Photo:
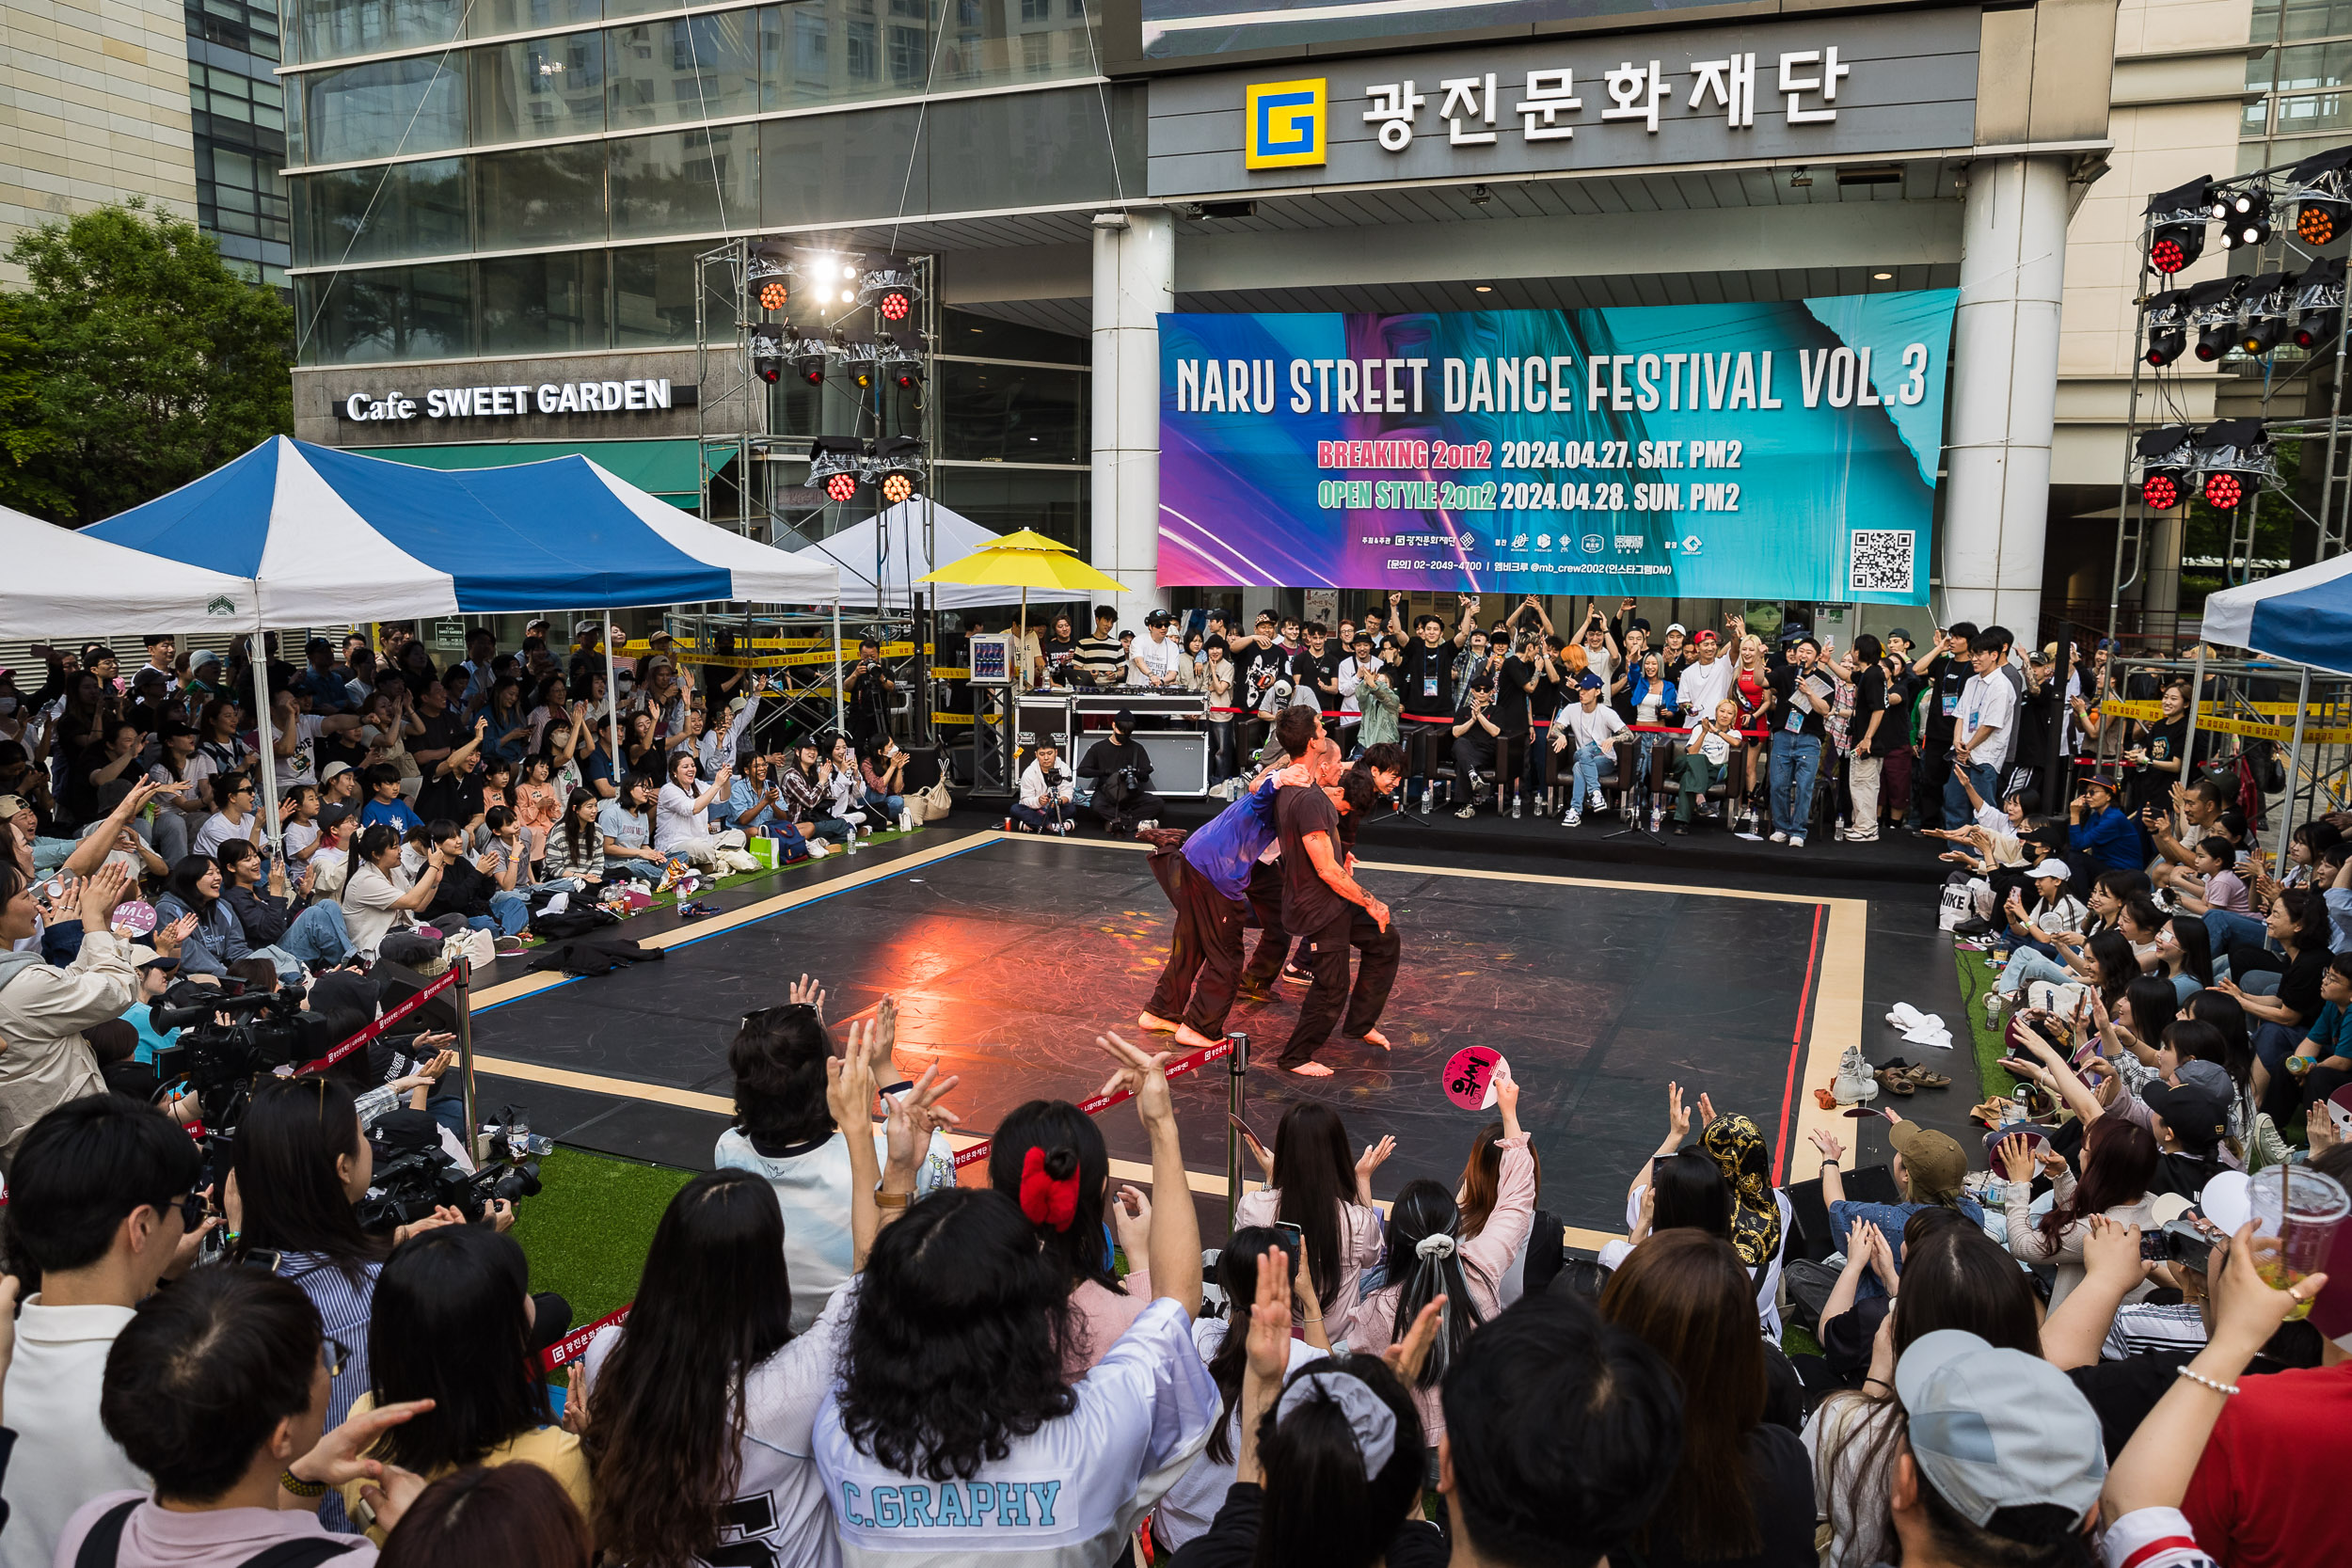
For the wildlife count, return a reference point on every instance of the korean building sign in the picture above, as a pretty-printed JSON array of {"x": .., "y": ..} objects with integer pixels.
[{"x": 1820, "y": 87}]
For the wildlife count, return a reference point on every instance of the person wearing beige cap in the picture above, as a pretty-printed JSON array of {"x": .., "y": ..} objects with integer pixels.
[
  {"x": 1931, "y": 1170},
  {"x": 45, "y": 1008}
]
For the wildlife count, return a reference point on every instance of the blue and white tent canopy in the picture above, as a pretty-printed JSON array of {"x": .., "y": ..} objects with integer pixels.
[
  {"x": 329, "y": 537},
  {"x": 2303, "y": 616}
]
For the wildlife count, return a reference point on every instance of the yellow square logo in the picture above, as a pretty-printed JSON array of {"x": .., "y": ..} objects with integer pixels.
[{"x": 1284, "y": 124}]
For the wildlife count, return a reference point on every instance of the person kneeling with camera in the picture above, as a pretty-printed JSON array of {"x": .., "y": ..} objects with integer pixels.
[
  {"x": 1121, "y": 772},
  {"x": 1045, "y": 794}
]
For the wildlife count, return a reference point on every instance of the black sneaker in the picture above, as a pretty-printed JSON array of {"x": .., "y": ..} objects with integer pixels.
[{"x": 1972, "y": 927}]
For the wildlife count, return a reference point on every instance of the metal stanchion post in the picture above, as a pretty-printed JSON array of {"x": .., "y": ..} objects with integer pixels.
[
  {"x": 1236, "y": 1096},
  {"x": 465, "y": 1054}
]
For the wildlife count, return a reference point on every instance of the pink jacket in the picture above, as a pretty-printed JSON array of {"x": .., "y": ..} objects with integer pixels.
[
  {"x": 537, "y": 805},
  {"x": 1485, "y": 1259},
  {"x": 1361, "y": 1241}
]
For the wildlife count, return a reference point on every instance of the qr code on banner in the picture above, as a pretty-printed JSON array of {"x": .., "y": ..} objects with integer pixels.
[{"x": 1882, "y": 561}]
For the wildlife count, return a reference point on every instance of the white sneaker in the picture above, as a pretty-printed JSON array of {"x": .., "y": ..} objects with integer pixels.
[
  {"x": 818, "y": 848},
  {"x": 1147, "y": 824},
  {"x": 1796, "y": 841},
  {"x": 1466, "y": 812},
  {"x": 1596, "y": 804},
  {"x": 1779, "y": 837},
  {"x": 1570, "y": 819}
]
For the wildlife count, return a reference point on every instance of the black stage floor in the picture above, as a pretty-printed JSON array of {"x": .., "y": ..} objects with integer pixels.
[{"x": 1010, "y": 956}]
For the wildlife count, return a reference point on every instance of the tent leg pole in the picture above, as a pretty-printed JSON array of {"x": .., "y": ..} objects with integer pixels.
[
  {"x": 2294, "y": 760},
  {"x": 611, "y": 705},
  {"x": 840, "y": 710},
  {"x": 266, "y": 763}
]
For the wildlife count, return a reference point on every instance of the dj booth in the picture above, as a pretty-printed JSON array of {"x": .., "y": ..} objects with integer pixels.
[{"x": 1173, "y": 727}]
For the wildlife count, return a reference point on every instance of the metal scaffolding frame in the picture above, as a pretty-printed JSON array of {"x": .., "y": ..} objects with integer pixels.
[
  {"x": 747, "y": 464},
  {"x": 2283, "y": 375}
]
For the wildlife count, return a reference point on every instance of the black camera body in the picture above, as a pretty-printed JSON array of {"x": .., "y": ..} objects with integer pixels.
[
  {"x": 415, "y": 1175},
  {"x": 264, "y": 1032}
]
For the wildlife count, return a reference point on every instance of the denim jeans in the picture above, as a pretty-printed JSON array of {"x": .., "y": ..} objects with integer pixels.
[
  {"x": 318, "y": 935},
  {"x": 889, "y": 805},
  {"x": 2226, "y": 928},
  {"x": 1590, "y": 763},
  {"x": 1957, "y": 811},
  {"x": 1796, "y": 762},
  {"x": 641, "y": 871},
  {"x": 2026, "y": 966}
]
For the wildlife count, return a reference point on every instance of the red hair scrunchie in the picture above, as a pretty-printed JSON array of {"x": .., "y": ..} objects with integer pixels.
[{"x": 1043, "y": 1198}]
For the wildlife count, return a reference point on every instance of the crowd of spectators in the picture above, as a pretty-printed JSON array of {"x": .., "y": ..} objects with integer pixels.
[
  {"x": 1782, "y": 736},
  {"x": 838, "y": 1353}
]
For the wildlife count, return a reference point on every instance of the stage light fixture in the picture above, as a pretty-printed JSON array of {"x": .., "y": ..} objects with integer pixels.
[
  {"x": 2245, "y": 215},
  {"x": 810, "y": 368},
  {"x": 2318, "y": 303},
  {"x": 2267, "y": 301},
  {"x": 835, "y": 464},
  {"x": 2166, "y": 344},
  {"x": 2163, "y": 458},
  {"x": 2233, "y": 457},
  {"x": 2323, "y": 213},
  {"x": 767, "y": 340},
  {"x": 2213, "y": 308},
  {"x": 2176, "y": 225},
  {"x": 891, "y": 288},
  {"x": 897, "y": 469}
]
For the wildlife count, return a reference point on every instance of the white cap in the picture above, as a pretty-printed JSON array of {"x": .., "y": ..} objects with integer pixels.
[
  {"x": 1677, "y": 625},
  {"x": 2052, "y": 867}
]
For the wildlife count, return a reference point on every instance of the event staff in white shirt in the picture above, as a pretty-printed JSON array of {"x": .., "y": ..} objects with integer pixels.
[
  {"x": 1158, "y": 660},
  {"x": 1705, "y": 680},
  {"x": 1585, "y": 732},
  {"x": 1985, "y": 730}
]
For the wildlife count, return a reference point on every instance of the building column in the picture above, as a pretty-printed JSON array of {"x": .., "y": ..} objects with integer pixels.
[
  {"x": 1135, "y": 279},
  {"x": 2005, "y": 354}
]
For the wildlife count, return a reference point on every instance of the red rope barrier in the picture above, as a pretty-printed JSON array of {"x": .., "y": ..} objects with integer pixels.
[
  {"x": 381, "y": 1024},
  {"x": 1095, "y": 1104}
]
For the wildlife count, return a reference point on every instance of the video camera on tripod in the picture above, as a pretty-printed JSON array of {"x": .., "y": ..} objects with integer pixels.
[{"x": 228, "y": 1035}]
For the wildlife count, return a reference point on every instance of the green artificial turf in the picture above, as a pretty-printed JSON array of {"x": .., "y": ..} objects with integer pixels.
[
  {"x": 586, "y": 1233},
  {"x": 1977, "y": 974}
]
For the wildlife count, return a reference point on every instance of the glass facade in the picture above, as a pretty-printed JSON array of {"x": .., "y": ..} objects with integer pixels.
[
  {"x": 238, "y": 117},
  {"x": 2304, "y": 107}
]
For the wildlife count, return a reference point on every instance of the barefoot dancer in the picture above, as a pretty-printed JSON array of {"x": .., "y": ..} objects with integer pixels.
[
  {"x": 1322, "y": 902},
  {"x": 1219, "y": 882}
]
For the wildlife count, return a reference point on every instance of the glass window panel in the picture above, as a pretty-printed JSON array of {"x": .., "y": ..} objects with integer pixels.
[
  {"x": 1002, "y": 500},
  {"x": 653, "y": 296},
  {"x": 1029, "y": 150},
  {"x": 695, "y": 68},
  {"x": 543, "y": 303},
  {"x": 539, "y": 88},
  {"x": 907, "y": 56},
  {"x": 859, "y": 55},
  {"x": 387, "y": 108},
  {"x": 331, "y": 29},
  {"x": 1016, "y": 40},
  {"x": 1010, "y": 413},
  {"x": 821, "y": 168},
  {"x": 421, "y": 212},
  {"x": 540, "y": 196},
  {"x": 985, "y": 336},
  {"x": 614, "y": 9},
  {"x": 2319, "y": 112},
  {"x": 494, "y": 18},
  {"x": 686, "y": 181},
  {"x": 2310, "y": 19},
  {"x": 397, "y": 313}
]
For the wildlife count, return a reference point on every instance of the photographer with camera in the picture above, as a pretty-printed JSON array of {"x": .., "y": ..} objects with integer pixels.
[
  {"x": 43, "y": 1008},
  {"x": 1120, "y": 769},
  {"x": 99, "y": 1199},
  {"x": 1046, "y": 793},
  {"x": 300, "y": 1164},
  {"x": 867, "y": 693}
]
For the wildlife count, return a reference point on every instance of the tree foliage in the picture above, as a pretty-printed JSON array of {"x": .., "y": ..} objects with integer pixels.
[{"x": 133, "y": 362}]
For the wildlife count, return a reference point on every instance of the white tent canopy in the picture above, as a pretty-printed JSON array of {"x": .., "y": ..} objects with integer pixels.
[
  {"x": 61, "y": 583},
  {"x": 900, "y": 529}
]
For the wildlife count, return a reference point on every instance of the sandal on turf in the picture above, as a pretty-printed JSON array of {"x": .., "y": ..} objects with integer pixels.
[{"x": 1895, "y": 1081}]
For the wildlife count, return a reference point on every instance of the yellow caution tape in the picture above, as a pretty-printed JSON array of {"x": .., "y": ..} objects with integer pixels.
[
  {"x": 2244, "y": 728},
  {"x": 951, "y": 719}
]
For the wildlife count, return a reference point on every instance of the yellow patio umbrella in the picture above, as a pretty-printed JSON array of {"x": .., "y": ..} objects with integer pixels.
[{"x": 1026, "y": 559}]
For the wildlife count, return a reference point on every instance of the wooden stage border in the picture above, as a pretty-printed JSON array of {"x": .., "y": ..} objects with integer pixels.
[{"x": 1836, "y": 1008}]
